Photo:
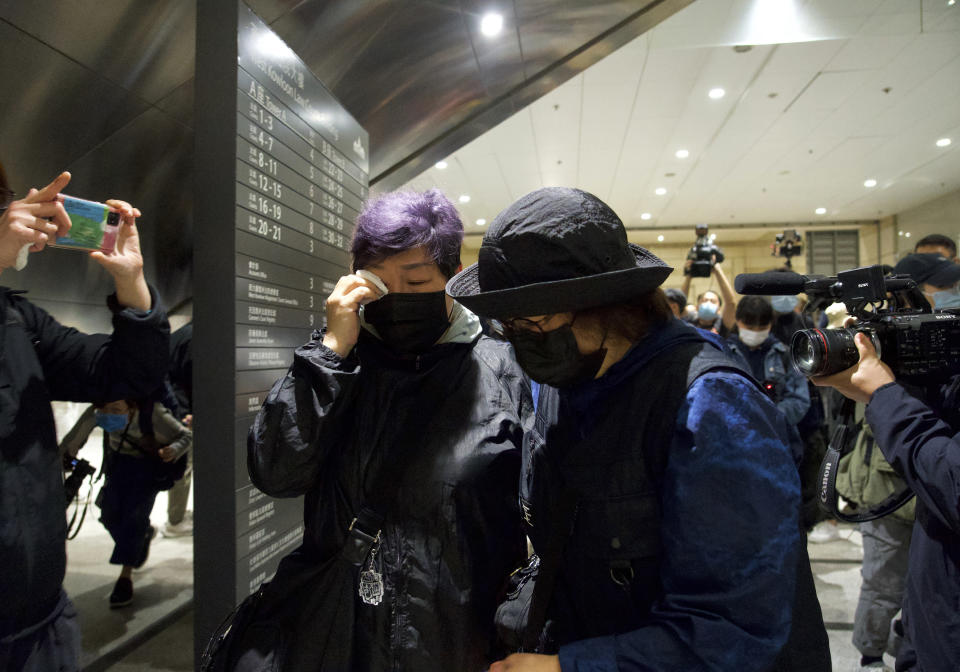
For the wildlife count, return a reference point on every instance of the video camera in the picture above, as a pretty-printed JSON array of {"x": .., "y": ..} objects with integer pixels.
[
  {"x": 787, "y": 244},
  {"x": 703, "y": 255},
  {"x": 914, "y": 341}
]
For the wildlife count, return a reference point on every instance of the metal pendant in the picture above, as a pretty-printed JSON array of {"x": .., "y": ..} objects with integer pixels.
[{"x": 371, "y": 586}]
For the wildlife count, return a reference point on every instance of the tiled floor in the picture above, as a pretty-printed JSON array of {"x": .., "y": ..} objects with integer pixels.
[{"x": 164, "y": 585}]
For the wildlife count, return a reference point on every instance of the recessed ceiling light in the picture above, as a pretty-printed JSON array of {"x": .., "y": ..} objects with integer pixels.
[
  {"x": 481, "y": 222},
  {"x": 819, "y": 211},
  {"x": 491, "y": 24},
  {"x": 869, "y": 184},
  {"x": 943, "y": 142},
  {"x": 645, "y": 216},
  {"x": 950, "y": 3},
  {"x": 441, "y": 165},
  {"x": 659, "y": 239},
  {"x": 464, "y": 198},
  {"x": 900, "y": 233},
  {"x": 659, "y": 191},
  {"x": 907, "y": 234},
  {"x": 682, "y": 154},
  {"x": 717, "y": 93}
]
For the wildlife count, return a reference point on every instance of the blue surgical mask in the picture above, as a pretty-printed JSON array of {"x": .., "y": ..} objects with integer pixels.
[
  {"x": 707, "y": 311},
  {"x": 784, "y": 304},
  {"x": 111, "y": 422},
  {"x": 946, "y": 298}
]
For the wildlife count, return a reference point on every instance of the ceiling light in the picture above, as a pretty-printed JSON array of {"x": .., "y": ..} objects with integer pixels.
[
  {"x": 464, "y": 198},
  {"x": 943, "y": 142},
  {"x": 441, "y": 165},
  {"x": 950, "y": 3},
  {"x": 659, "y": 239},
  {"x": 682, "y": 154},
  {"x": 900, "y": 233},
  {"x": 491, "y": 24},
  {"x": 717, "y": 93},
  {"x": 869, "y": 184},
  {"x": 660, "y": 191},
  {"x": 645, "y": 216},
  {"x": 481, "y": 222},
  {"x": 907, "y": 234},
  {"x": 819, "y": 211}
]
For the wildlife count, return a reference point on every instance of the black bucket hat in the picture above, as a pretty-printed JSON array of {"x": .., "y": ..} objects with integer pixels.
[{"x": 555, "y": 250}]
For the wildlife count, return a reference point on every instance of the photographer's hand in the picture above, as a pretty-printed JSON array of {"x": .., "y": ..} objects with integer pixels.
[
  {"x": 859, "y": 382},
  {"x": 729, "y": 311},
  {"x": 125, "y": 263},
  {"x": 33, "y": 221}
]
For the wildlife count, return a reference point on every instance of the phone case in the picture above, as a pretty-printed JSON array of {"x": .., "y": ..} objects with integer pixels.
[{"x": 94, "y": 225}]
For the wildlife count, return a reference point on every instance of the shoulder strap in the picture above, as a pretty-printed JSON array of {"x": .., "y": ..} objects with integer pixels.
[
  {"x": 365, "y": 527},
  {"x": 841, "y": 445}
]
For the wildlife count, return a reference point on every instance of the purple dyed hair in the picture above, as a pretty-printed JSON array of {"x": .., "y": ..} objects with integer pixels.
[{"x": 402, "y": 220}]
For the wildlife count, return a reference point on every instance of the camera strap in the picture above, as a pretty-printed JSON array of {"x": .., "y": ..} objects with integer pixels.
[{"x": 840, "y": 445}]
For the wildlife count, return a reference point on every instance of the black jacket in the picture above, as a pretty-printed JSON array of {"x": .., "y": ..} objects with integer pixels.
[
  {"x": 42, "y": 360},
  {"x": 457, "y": 414},
  {"x": 918, "y": 435}
]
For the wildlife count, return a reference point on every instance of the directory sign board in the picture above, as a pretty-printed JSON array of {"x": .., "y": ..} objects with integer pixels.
[{"x": 286, "y": 166}]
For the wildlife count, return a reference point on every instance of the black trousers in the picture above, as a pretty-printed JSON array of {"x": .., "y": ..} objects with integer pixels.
[{"x": 128, "y": 498}]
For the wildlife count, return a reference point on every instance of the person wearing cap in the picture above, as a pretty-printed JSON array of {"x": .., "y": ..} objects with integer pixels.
[
  {"x": 937, "y": 277},
  {"x": 937, "y": 243},
  {"x": 402, "y": 376},
  {"x": 917, "y": 428},
  {"x": 659, "y": 439}
]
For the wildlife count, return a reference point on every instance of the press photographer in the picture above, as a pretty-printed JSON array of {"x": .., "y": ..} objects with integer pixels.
[
  {"x": 912, "y": 389},
  {"x": 716, "y": 311},
  {"x": 42, "y": 360}
]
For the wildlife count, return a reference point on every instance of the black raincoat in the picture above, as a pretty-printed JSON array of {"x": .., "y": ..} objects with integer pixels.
[
  {"x": 456, "y": 415},
  {"x": 42, "y": 360}
]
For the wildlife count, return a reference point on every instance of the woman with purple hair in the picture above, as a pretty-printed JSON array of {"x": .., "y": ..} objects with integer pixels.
[{"x": 402, "y": 381}]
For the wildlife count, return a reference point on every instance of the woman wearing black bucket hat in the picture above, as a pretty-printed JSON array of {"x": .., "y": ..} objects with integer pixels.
[{"x": 651, "y": 449}]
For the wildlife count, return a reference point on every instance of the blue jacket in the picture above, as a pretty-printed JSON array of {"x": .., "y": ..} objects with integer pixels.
[
  {"x": 924, "y": 448},
  {"x": 715, "y": 593}
]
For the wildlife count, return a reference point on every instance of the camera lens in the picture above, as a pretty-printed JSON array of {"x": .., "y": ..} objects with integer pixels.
[{"x": 820, "y": 353}]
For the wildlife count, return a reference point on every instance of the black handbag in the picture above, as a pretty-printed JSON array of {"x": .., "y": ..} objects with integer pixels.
[
  {"x": 301, "y": 620},
  {"x": 521, "y": 617}
]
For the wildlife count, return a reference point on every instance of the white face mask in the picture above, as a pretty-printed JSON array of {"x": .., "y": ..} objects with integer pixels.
[{"x": 752, "y": 338}]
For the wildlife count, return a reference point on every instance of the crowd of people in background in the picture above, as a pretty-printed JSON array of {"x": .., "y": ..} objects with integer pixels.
[{"x": 661, "y": 458}]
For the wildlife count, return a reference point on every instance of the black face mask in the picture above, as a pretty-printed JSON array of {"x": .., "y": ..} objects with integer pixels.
[
  {"x": 409, "y": 323},
  {"x": 553, "y": 358}
]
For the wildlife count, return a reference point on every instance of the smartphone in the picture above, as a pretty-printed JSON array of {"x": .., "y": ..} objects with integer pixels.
[{"x": 94, "y": 226}]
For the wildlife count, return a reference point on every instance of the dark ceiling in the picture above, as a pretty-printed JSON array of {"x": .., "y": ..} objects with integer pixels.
[{"x": 104, "y": 88}]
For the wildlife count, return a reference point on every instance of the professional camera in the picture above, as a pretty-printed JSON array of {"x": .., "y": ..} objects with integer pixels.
[
  {"x": 914, "y": 341},
  {"x": 703, "y": 255},
  {"x": 787, "y": 244},
  {"x": 80, "y": 469}
]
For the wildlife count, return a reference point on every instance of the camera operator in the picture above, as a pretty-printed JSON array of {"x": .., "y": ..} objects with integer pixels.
[
  {"x": 937, "y": 243},
  {"x": 42, "y": 360},
  {"x": 918, "y": 431},
  {"x": 715, "y": 312}
]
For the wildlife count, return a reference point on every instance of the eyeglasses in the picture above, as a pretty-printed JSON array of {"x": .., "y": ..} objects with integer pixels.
[
  {"x": 513, "y": 326},
  {"x": 6, "y": 197}
]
